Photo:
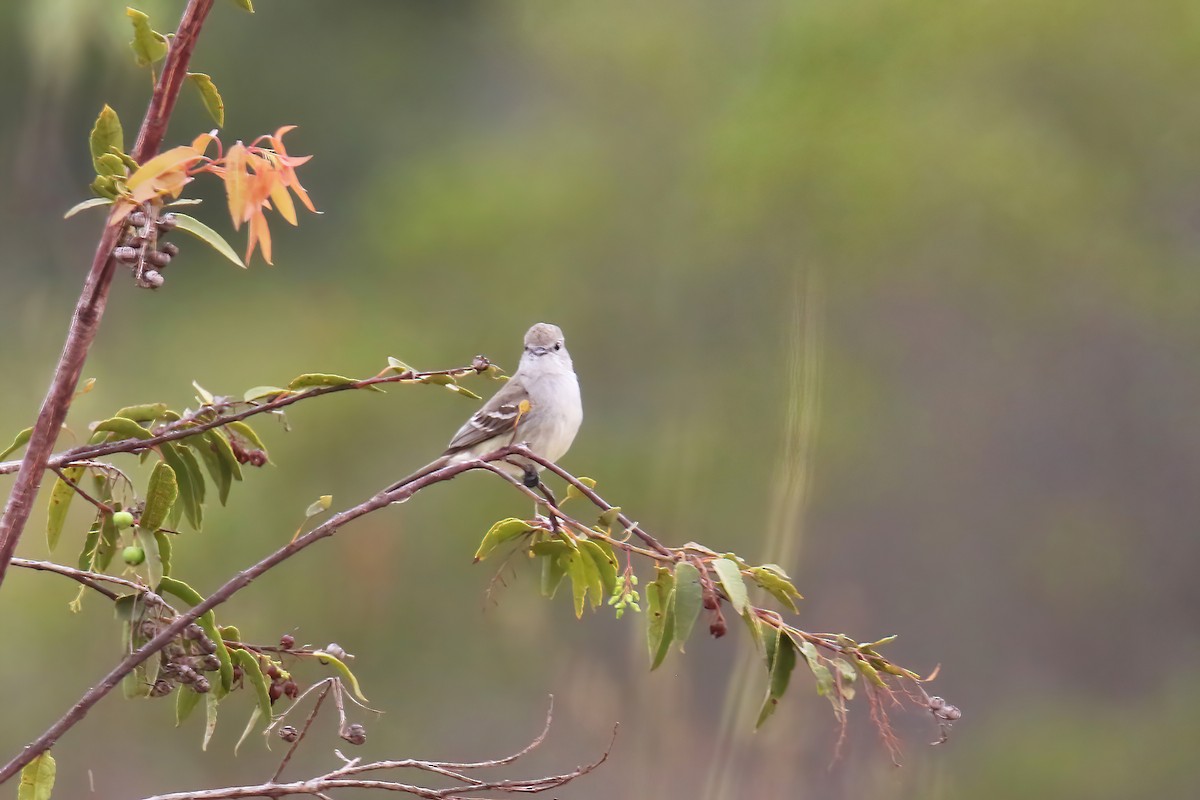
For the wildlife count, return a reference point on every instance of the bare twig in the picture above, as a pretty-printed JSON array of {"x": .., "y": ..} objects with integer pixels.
[
  {"x": 88, "y": 579},
  {"x": 104, "y": 508},
  {"x": 467, "y": 788},
  {"x": 94, "y": 297},
  {"x": 303, "y": 732}
]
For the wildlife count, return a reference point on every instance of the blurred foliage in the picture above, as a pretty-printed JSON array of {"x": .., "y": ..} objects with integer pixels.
[{"x": 1000, "y": 201}]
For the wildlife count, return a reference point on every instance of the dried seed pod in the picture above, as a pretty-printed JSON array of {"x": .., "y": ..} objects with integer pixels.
[
  {"x": 170, "y": 248},
  {"x": 137, "y": 219},
  {"x": 151, "y": 599},
  {"x": 210, "y": 663},
  {"x": 193, "y": 632},
  {"x": 202, "y": 686},
  {"x": 148, "y": 628},
  {"x": 128, "y": 255},
  {"x": 287, "y": 641},
  {"x": 167, "y": 222},
  {"x": 187, "y": 674},
  {"x": 717, "y": 628},
  {"x": 152, "y": 278},
  {"x": 334, "y": 649},
  {"x": 355, "y": 734},
  {"x": 158, "y": 258},
  {"x": 288, "y": 733},
  {"x": 161, "y": 688},
  {"x": 275, "y": 691},
  {"x": 206, "y": 645},
  {"x": 290, "y": 689}
]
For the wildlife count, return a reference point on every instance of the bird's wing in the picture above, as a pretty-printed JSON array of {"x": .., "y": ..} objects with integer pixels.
[{"x": 498, "y": 415}]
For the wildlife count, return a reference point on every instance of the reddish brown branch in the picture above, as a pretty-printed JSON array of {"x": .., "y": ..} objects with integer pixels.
[{"x": 94, "y": 297}]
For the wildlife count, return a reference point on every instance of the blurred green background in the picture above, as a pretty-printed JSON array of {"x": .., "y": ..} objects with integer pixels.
[{"x": 902, "y": 294}]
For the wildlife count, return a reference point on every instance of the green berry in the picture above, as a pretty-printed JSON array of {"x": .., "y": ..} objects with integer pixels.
[
  {"x": 133, "y": 555},
  {"x": 122, "y": 520}
]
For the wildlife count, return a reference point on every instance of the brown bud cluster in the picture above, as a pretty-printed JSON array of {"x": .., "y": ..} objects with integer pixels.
[
  {"x": 355, "y": 734},
  {"x": 142, "y": 248},
  {"x": 247, "y": 455}
]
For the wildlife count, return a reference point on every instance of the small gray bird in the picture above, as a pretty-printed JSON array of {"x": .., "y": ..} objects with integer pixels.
[{"x": 538, "y": 405}]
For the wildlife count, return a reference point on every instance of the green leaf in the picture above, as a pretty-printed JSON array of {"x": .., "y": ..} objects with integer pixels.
[
  {"x": 503, "y": 531},
  {"x": 689, "y": 598},
  {"x": 779, "y": 586},
  {"x": 574, "y": 492},
  {"x": 398, "y": 366},
  {"x": 148, "y": 45},
  {"x": 464, "y": 391},
  {"x": 825, "y": 684},
  {"x": 870, "y": 673},
  {"x": 161, "y": 494},
  {"x": 19, "y": 441},
  {"x": 255, "y": 715},
  {"x": 660, "y": 616},
  {"x": 846, "y": 675},
  {"x": 553, "y": 568},
  {"x": 246, "y": 432},
  {"x": 185, "y": 702},
  {"x": 107, "y": 548},
  {"x": 344, "y": 671},
  {"x": 164, "y": 552},
  {"x": 207, "y": 235},
  {"x": 318, "y": 506},
  {"x": 60, "y": 502},
  {"x": 252, "y": 669},
  {"x": 261, "y": 392},
  {"x": 106, "y": 134},
  {"x": 224, "y": 451},
  {"x": 191, "y": 482},
  {"x": 154, "y": 565},
  {"x": 217, "y": 468},
  {"x": 37, "y": 778},
  {"x": 245, "y": 5},
  {"x": 602, "y": 555},
  {"x": 210, "y": 713},
  {"x": 318, "y": 379},
  {"x": 780, "y": 664},
  {"x": 755, "y": 625},
  {"x": 209, "y": 96},
  {"x": 576, "y": 564},
  {"x": 87, "y": 556},
  {"x": 731, "y": 579},
  {"x": 146, "y": 412},
  {"x": 91, "y": 202},
  {"x": 608, "y": 519},
  {"x": 123, "y": 427},
  {"x": 110, "y": 164}
]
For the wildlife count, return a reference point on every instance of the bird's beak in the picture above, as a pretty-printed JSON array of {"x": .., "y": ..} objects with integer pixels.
[{"x": 540, "y": 351}]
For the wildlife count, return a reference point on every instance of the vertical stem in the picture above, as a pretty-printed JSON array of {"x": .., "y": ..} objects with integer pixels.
[{"x": 92, "y": 300}]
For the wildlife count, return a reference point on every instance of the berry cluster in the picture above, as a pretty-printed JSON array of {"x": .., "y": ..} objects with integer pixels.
[{"x": 142, "y": 248}]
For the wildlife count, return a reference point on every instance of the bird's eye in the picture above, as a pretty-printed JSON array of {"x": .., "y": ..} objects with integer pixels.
[{"x": 558, "y": 345}]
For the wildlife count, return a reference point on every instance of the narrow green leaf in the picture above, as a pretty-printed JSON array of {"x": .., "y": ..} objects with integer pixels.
[
  {"x": 185, "y": 702},
  {"x": 106, "y": 134},
  {"x": 312, "y": 379},
  {"x": 191, "y": 486},
  {"x": 19, "y": 441},
  {"x": 37, "y": 778},
  {"x": 210, "y": 724},
  {"x": 870, "y": 673},
  {"x": 218, "y": 470},
  {"x": 107, "y": 548},
  {"x": 154, "y": 565},
  {"x": 245, "y": 5},
  {"x": 60, "y": 503},
  {"x": 606, "y": 562},
  {"x": 689, "y": 598},
  {"x": 660, "y": 616},
  {"x": 207, "y": 235},
  {"x": 580, "y": 580},
  {"x": 146, "y": 412},
  {"x": 553, "y": 571},
  {"x": 209, "y": 95},
  {"x": 591, "y": 572},
  {"x": 464, "y": 391},
  {"x": 161, "y": 494},
  {"x": 224, "y": 451},
  {"x": 123, "y": 428},
  {"x": 825, "y": 685},
  {"x": 755, "y": 625},
  {"x": 344, "y": 671},
  {"x": 398, "y": 366},
  {"x": 148, "y": 45},
  {"x": 574, "y": 492},
  {"x": 207, "y": 621},
  {"x": 783, "y": 661},
  {"x": 252, "y": 669},
  {"x": 91, "y": 202},
  {"x": 164, "y": 552},
  {"x": 731, "y": 579},
  {"x": 256, "y": 714},
  {"x": 503, "y": 531},
  {"x": 779, "y": 587},
  {"x": 87, "y": 556}
]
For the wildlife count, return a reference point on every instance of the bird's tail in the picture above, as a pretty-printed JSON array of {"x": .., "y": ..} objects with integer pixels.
[{"x": 432, "y": 466}]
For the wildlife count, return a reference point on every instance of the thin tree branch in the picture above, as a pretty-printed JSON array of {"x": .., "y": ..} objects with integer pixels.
[
  {"x": 80, "y": 491},
  {"x": 303, "y": 732},
  {"x": 89, "y": 309},
  {"x": 191, "y": 427},
  {"x": 88, "y": 579}
]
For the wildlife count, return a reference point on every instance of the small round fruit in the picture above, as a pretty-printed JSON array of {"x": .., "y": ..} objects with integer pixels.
[
  {"x": 122, "y": 520},
  {"x": 133, "y": 555}
]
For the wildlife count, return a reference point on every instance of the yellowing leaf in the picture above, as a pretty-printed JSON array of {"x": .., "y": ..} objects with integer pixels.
[
  {"x": 37, "y": 779},
  {"x": 174, "y": 159},
  {"x": 209, "y": 96}
]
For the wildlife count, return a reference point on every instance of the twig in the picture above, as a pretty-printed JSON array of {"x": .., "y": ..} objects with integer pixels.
[
  {"x": 94, "y": 297},
  {"x": 182, "y": 429},
  {"x": 88, "y": 579},
  {"x": 104, "y": 507},
  {"x": 304, "y": 731}
]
